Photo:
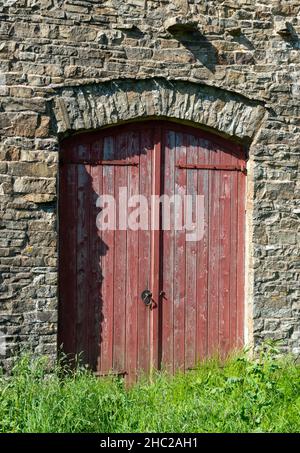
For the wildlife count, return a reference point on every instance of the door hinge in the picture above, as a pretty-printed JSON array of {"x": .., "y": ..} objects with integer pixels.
[
  {"x": 212, "y": 167},
  {"x": 94, "y": 163}
]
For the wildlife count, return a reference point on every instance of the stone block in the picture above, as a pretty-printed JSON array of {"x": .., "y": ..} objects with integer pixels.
[{"x": 35, "y": 185}]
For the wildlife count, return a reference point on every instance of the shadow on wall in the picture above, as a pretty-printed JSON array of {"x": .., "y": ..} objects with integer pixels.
[
  {"x": 290, "y": 36},
  {"x": 201, "y": 48}
]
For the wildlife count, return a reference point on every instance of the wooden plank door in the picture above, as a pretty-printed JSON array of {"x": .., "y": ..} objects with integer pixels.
[
  {"x": 196, "y": 286},
  {"x": 103, "y": 272},
  {"x": 202, "y": 281}
]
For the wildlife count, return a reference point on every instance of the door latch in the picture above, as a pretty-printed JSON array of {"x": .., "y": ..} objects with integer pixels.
[{"x": 146, "y": 297}]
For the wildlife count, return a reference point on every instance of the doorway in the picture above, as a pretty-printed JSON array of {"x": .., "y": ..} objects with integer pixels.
[{"x": 138, "y": 289}]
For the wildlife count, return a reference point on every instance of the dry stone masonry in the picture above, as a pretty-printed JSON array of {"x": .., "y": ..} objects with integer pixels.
[{"x": 231, "y": 66}]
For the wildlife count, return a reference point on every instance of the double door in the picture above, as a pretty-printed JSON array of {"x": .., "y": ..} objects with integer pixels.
[{"x": 151, "y": 247}]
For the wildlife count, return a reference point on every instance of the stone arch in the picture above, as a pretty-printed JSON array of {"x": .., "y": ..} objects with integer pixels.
[{"x": 90, "y": 107}]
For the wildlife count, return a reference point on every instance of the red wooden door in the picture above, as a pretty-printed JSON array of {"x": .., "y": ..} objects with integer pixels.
[
  {"x": 197, "y": 286},
  {"x": 203, "y": 280}
]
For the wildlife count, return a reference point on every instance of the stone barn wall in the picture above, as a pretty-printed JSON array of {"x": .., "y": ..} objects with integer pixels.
[{"x": 232, "y": 66}]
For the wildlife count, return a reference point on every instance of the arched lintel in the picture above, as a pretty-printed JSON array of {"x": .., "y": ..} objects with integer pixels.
[{"x": 96, "y": 106}]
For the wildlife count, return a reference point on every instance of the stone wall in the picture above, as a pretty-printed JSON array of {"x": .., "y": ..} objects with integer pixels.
[{"x": 60, "y": 60}]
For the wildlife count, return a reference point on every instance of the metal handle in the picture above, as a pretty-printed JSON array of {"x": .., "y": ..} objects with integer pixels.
[{"x": 146, "y": 297}]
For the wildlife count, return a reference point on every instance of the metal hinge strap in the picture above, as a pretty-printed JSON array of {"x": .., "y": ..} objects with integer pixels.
[
  {"x": 93, "y": 163},
  {"x": 211, "y": 167}
]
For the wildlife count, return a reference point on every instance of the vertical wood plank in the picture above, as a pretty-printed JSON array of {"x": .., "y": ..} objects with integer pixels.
[
  {"x": 225, "y": 258},
  {"x": 107, "y": 265},
  {"x": 179, "y": 259},
  {"x": 144, "y": 253},
  {"x": 233, "y": 263},
  {"x": 119, "y": 356},
  {"x": 168, "y": 247},
  {"x": 155, "y": 253},
  {"x": 84, "y": 189},
  {"x": 97, "y": 250},
  {"x": 132, "y": 266},
  {"x": 202, "y": 255},
  {"x": 67, "y": 254},
  {"x": 214, "y": 257},
  {"x": 240, "y": 258},
  {"x": 168, "y": 252},
  {"x": 191, "y": 262}
]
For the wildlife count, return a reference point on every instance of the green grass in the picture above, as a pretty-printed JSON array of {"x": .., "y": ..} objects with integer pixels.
[{"x": 240, "y": 395}]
